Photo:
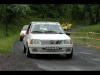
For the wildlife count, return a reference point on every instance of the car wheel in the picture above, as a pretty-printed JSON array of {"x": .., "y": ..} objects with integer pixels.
[
  {"x": 69, "y": 56},
  {"x": 21, "y": 39},
  {"x": 24, "y": 51},
  {"x": 28, "y": 54}
]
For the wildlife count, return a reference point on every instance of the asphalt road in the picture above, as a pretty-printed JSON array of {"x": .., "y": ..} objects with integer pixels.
[{"x": 84, "y": 59}]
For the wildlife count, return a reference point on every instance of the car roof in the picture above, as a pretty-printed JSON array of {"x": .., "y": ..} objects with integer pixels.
[{"x": 52, "y": 23}]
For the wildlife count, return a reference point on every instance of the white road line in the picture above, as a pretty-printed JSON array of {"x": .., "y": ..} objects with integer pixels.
[
  {"x": 84, "y": 37},
  {"x": 84, "y": 53},
  {"x": 96, "y": 59}
]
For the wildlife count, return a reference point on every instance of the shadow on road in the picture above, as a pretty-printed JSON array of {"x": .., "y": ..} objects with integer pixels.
[
  {"x": 49, "y": 57},
  {"x": 18, "y": 47}
]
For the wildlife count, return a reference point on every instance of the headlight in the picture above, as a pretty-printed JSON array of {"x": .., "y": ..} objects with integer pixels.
[
  {"x": 71, "y": 42},
  {"x": 67, "y": 42},
  {"x": 34, "y": 41}
]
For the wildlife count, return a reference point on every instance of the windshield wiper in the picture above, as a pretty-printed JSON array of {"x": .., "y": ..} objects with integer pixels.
[
  {"x": 37, "y": 32},
  {"x": 50, "y": 32},
  {"x": 60, "y": 33}
]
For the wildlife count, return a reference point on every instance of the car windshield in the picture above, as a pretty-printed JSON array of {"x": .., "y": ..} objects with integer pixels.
[{"x": 47, "y": 28}]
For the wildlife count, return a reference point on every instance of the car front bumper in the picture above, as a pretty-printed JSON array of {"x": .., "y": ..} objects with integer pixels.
[{"x": 50, "y": 49}]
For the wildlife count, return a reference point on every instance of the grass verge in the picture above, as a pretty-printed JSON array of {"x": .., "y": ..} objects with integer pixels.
[
  {"x": 86, "y": 33},
  {"x": 6, "y": 44}
]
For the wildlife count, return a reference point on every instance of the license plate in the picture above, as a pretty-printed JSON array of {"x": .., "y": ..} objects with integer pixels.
[{"x": 52, "y": 48}]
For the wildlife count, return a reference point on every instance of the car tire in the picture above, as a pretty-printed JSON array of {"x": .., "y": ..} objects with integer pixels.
[
  {"x": 28, "y": 54},
  {"x": 21, "y": 39},
  {"x": 24, "y": 51},
  {"x": 69, "y": 56}
]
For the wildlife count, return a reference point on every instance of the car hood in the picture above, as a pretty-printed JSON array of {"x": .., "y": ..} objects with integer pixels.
[
  {"x": 50, "y": 36},
  {"x": 23, "y": 32}
]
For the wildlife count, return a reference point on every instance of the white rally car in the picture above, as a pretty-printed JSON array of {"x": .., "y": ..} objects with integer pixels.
[{"x": 47, "y": 38}]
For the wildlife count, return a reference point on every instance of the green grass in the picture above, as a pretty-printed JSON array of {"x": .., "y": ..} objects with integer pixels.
[
  {"x": 85, "y": 33},
  {"x": 91, "y": 28},
  {"x": 6, "y": 44}
]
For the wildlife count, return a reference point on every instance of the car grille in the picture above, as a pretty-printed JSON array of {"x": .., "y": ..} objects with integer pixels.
[{"x": 45, "y": 42}]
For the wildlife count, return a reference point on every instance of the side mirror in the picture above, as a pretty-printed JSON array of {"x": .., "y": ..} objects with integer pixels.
[{"x": 67, "y": 33}]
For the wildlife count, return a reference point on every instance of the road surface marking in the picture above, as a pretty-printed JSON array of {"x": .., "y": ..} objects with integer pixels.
[
  {"x": 96, "y": 59},
  {"x": 84, "y": 53}
]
